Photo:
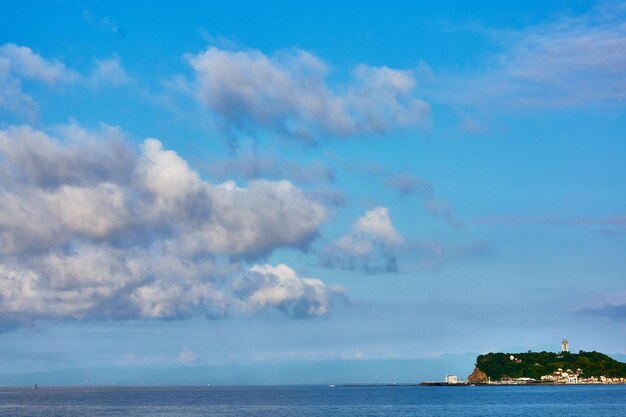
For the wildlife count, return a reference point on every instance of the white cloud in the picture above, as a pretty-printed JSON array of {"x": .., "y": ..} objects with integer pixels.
[
  {"x": 254, "y": 220},
  {"x": 288, "y": 93},
  {"x": 167, "y": 177},
  {"x": 85, "y": 157},
  {"x": 65, "y": 285},
  {"x": 369, "y": 247},
  {"x": 376, "y": 224},
  {"x": 170, "y": 299},
  {"x": 105, "y": 282},
  {"x": 24, "y": 63},
  {"x": 91, "y": 228},
  {"x": 52, "y": 193},
  {"x": 280, "y": 287},
  {"x": 53, "y": 196},
  {"x": 381, "y": 99},
  {"x": 225, "y": 218},
  {"x": 35, "y": 219}
]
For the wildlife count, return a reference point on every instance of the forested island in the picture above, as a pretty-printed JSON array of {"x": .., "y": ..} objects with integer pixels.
[{"x": 548, "y": 367}]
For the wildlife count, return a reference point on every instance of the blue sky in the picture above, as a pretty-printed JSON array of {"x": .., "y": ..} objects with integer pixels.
[{"x": 242, "y": 184}]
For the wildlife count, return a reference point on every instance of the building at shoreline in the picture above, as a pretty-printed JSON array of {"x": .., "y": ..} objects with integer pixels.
[{"x": 452, "y": 379}]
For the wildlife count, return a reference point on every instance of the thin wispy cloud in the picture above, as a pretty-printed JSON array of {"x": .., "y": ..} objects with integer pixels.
[
  {"x": 20, "y": 64},
  {"x": 433, "y": 256},
  {"x": 574, "y": 60},
  {"x": 103, "y": 23},
  {"x": 187, "y": 356},
  {"x": 25, "y": 63},
  {"x": 410, "y": 185},
  {"x": 110, "y": 72},
  {"x": 611, "y": 305},
  {"x": 249, "y": 164},
  {"x": 545, "y": 220}
]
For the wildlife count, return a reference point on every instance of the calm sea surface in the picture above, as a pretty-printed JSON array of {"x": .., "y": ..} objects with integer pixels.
[{"x": 561, "y": 401}]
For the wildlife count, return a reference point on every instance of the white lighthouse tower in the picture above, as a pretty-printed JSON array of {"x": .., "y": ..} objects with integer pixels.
[{"x": 564, "y": 345}]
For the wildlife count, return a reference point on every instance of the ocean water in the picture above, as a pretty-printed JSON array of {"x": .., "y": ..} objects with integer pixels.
[{"x": 305, "y": 401}]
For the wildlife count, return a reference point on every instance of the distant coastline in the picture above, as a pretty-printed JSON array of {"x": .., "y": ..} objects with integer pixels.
[
  {"x": 502, "y": 384},
  {"x": 542, "y": 368}
]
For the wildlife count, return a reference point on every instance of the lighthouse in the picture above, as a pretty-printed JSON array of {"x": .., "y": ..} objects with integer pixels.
[{"x": 564, "y": 345}]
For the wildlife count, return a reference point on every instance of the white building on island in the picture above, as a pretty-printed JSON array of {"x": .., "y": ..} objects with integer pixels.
[
  {"x": 452, "y": 379},
  {"x": 564, "y": 345}
]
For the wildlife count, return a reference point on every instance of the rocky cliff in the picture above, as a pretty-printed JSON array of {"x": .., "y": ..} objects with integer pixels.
[{"x": 477, "y": 376}]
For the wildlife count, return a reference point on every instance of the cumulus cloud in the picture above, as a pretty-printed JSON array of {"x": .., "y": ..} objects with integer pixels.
[
  {"x": 114, "y": 191},
  {"x": 225, "y": 218},
  {"x": 377, "y": 225},
  {"x": 280, "y": 287},
  {"x": 98, "y": 282},
  {"x": 288, "y": 93},
  {"x": 33, "y": 158},
  {"x": 252, "y": 221},
  {"x": 369, "y": 247},
  {"x": 92, "y": 228},
  {"x": 58, "y": 284}
]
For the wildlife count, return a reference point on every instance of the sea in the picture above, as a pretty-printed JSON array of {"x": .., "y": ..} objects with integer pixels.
[{"x": 315, "y": 401}]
